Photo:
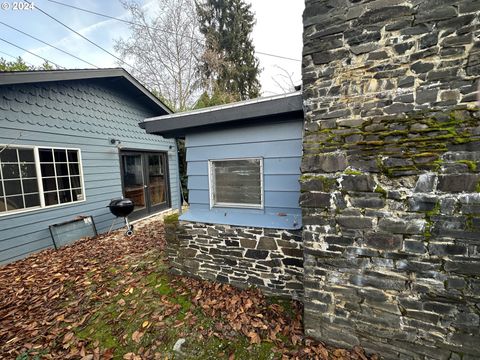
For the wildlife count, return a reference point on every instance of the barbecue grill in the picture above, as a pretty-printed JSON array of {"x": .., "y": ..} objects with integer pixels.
[{"x": 122, "y": 208}]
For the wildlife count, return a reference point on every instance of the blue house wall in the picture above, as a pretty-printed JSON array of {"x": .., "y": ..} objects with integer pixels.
[
  {"x": 280, "y": 146},
  {"x": 83, "y": 114}
]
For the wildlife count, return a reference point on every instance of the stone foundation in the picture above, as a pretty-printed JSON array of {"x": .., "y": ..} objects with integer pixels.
[{"x": 269, "y": 259}]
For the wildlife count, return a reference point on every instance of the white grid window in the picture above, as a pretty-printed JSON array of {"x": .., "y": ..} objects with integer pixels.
[
  {"x": 236, "y": 183},
  {"x": 33, "y": 177}
]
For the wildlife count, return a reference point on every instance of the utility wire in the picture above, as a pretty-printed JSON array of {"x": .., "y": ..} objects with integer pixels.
[
  {"x": 83, "y": 37},
  {"x": 28, "y": 51},
  {"x": 44, "y": 42},
  {"x": 155, "y": 28},
  {"x": 16, "y": 57}
]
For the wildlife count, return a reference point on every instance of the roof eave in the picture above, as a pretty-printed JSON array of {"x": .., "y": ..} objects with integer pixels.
[{"x": 177, "y": 125}]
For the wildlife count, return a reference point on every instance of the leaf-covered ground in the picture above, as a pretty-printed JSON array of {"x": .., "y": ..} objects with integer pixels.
[{"x": 112, "y": 297}]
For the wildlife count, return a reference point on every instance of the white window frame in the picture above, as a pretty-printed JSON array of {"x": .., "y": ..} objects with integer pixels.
[
  {"x": 40, "y": 178},
  {"x": 211, "y": 186}
]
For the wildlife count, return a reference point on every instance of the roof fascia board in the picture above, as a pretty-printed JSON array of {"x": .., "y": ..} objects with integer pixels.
[{"x": 223, "y": 116}]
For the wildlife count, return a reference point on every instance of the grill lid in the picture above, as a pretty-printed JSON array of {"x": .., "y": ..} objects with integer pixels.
[{"x": 121, "y": 207}]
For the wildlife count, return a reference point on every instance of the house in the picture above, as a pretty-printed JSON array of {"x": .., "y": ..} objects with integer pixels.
[
  {"x": 243, "y": 166},
  {"x": 69, "y": 143}
]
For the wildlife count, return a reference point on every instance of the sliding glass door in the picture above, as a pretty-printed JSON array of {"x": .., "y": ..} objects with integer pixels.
[{"x": 145, "y": 181}]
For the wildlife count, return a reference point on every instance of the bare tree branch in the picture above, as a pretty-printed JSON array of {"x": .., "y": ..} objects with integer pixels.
[{"x": 164, "y": 46}]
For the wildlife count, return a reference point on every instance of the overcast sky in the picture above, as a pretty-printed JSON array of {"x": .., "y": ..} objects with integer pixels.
[{"x": 278, "y": 31}]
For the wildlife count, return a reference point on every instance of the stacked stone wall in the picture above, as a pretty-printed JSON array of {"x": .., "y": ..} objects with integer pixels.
[
  {"x": 391, "y": 176},
  {"x": 269, "y": 259}
]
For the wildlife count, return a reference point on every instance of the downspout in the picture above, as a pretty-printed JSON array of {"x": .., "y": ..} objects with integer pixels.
[{"x": 179, "y": 180}]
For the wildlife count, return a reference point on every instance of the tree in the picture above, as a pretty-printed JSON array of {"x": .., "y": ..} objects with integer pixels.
[
  {"x": 284, "y": 80},
  {"x": 17, "y": 65},
  {"x": 164, "y": 49},
  {"x": 20, "y": 65},
  {"x": 228, "y": 65}
]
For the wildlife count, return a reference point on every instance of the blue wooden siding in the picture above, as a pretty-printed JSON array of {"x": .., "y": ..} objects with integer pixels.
[
  {"x": 74, "y": 114},
  {"x": 279, "y": 144}
]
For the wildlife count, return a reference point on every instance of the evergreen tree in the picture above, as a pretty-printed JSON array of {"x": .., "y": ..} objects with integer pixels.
[
  {"x": 20, "y": 65},
  {"x": 17, "y": 65},
  {"x": 228, "y": 65}
]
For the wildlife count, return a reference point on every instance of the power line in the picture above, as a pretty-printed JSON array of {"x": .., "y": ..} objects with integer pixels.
[
  {"x": 83, "y": 37},
  {"x": 44, "y": 42},
  {"x": 28, "y": 51},
  {"x": 16, "y": 57},
  {"x": 278, "y": 56},
  {"x": 155, "y": 28}
]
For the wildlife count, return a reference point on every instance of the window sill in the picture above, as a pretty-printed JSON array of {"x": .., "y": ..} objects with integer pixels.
[{"x": 287, "y": 222}]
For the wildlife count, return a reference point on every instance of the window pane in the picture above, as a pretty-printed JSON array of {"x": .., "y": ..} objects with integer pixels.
[
  {"x": 63, "y": 183},
  {"x": 30, "y": 186},
  {"x": 60, "y": 155},
  {"x": 26, "y": 155},
  {"x": 1, "y": 189},
  {"x": 74, "y": 169},
  {"x": 75, "y": 180},
  {"x": 9, "y": 155},
  {"x": 12, "y": 187},
  {"x": 46, "y": 155},
  {"x": 28, "y": 170},
  {"x": 3, "y": 205},
  {"x": 237, "y": 182},
  {"x": 32, "y": 200},
  {"x": 51, "y": 198},
  {"x": 10, "y": 171},
  {"x": 14, "y": 203},
  {"x": 49, "y": 184},
  {"x": 62, "y": 169},
  {"x": 77, "y": 194},
  {"x": 72, "y": 155},
  {"x": 65, "y": 196},
  {"x": 47, "y": 170}
]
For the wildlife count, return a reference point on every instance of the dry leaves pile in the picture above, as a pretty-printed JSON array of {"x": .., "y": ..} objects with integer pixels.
[
  {"x": 251, "y": 313},
  {"x": 47, "y": 294},
  {"x": 50, "y": 305}
]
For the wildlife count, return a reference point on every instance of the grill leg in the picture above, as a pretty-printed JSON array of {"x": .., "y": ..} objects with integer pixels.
[
  {"x": 111, "y": 227},
  {"x": 129, "y": 231}
]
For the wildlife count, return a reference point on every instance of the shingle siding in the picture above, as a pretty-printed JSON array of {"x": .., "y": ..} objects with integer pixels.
[{"x": 82, "y": 114}]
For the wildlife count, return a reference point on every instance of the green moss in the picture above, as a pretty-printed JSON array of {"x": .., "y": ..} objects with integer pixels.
[
  {"x": 434, "y": 211},
  {"x": 393, "y": 133},
  {"x": 469, "y": 222},
  {"x": 472, "y": 165},
  {"x": 477, "y": 189},
  {"x": 428, "y": 221},
  {"x": 170, "y": 219},
  {"x": 327, "y": 183},
  {"x": 352, "y": 172},
  {"x": 380, "y": 190}
]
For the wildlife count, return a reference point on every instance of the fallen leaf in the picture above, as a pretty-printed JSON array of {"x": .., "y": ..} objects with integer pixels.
[{"x": 137, "y": 336}]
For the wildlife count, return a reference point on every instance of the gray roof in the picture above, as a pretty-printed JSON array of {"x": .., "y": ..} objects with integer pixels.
[
  {"x": 259, "y": 110},
  {"x": 36, "y": 76}
]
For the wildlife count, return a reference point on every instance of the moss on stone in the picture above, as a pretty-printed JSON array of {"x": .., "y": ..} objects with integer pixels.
[
  {"x": 472, "y": 165},
  {"x": 328, "y": 183},
  {"x": 170, "y": 219},
  {"x": 352, "y": 172},
  {"x": 380, "y": 190}
]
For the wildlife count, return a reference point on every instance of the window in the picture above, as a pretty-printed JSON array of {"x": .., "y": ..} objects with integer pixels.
[
  {"x": 236, "y": 183},
  {"x": 38, "y": 177}
]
